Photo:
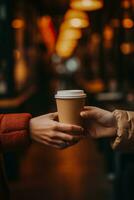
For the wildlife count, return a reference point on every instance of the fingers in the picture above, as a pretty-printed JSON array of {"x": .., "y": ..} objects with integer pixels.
[
  {"x": 92, "y": 112},
  {"x": 61, "y": 126},
  {"x": 86, "y": 112},
  {"x": 59, "y": 144},
  {"x": 68, "y": 128},
  {"x": 67, "y": 137},
  {"x": 89, "y": 114}
]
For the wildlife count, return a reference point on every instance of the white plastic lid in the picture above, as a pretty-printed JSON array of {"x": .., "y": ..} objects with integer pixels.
[{"x": 67, "y": 94}]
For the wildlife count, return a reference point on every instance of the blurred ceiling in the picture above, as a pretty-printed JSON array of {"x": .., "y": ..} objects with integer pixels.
[
  {"x": 58, "y": 7},
  {"x": 51, "y": 7}
]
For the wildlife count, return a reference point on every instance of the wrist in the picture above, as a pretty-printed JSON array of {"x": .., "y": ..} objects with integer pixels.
[
  {"x": 31, "y": 128},
  {"x": 115, "y": 126}
]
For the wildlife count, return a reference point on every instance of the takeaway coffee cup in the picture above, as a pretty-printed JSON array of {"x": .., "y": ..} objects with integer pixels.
[{"x": 69, "y": 105}]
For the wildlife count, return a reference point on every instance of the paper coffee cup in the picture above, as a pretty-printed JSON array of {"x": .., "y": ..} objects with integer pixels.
[{"x": 69, "y": 105}]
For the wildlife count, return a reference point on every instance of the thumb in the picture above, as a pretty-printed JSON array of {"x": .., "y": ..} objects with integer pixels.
[
  {"x": 88, "y": 114},
  {"x": 84, "y": 114}
]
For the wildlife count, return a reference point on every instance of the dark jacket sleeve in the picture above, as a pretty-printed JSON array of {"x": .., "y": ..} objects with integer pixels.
[
  {"x": 124, "y": 140},
  {"x": 14, "y": 131}
]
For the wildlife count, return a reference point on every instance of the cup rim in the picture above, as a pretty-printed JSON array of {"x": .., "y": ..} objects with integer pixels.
[{"x": 70, "y": 94}]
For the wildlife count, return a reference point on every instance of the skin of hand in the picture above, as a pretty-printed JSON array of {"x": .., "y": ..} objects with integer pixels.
[
  {"x": 47, "y": 130},
  {"x": 98, "y": 122}
]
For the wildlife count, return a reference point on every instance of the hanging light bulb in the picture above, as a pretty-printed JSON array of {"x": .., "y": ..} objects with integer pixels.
[
  {"x": 87, "y": 5},
  {"x": 76, "y": 19},
  {"x": 71, "y": 13},
  {"x": 127, "y": 21},
  {"x": 18, "y": 23},
  {"x": 127, "y": 48},
  {"x": 78, "y": 23},
  {"x": 75, "y": 23},
  {"x": 108, "y": 33}
]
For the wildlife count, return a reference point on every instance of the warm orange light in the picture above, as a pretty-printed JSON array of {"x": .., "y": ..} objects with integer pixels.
[
  {"x": 78, "y": 23},
  {"x": 70, "y": 34},
  {"x": 65, "y": 26},
  {"x": 127, "y": 48},
  {"x": 47, "y": 31},
  {"x": 17, "y": 54},
  {"x": 20, "y": 73},
  {"x": 18, "y": 23},
  {"x": 108, "y": 33},
  {"x": 65, "y": 48},
  {"x": 64, "y": 54},
  {"x": 74, "y": 23},
  {"x": 94, "y": 86},
  {"x": 66, "y": 44},
  {"x": 127, "y": 23},
  {"x": 71, "y": 13},
  {"x": 87, "y": 5},
  {"x": 126, "y": 4},
  {"x": 44, "y": 21}
]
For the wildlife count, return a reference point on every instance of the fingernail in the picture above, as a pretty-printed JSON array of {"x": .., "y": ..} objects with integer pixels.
[{"x": 83, "y": 116}]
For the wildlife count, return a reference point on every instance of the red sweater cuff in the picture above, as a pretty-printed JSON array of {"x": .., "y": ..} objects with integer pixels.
[{"x": 14, "y": 131}]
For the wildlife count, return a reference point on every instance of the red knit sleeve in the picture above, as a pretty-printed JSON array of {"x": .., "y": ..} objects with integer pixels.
[{"x": 14, "y": 131}]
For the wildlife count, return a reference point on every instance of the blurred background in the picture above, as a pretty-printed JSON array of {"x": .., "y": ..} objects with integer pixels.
[{"x": 49, "y": 45}]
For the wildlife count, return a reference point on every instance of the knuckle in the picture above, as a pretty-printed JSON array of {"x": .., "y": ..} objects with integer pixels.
[
  {"x": 71, "y": 138},
  {"x": 49, "y": 140},
  {"x": 71, "y": 128},
  {"x": 55, "y": 126},
  {"x": 52, "y": 135}
]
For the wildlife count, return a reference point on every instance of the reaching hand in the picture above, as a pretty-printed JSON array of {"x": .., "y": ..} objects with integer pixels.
[
  {"x": 46, "y": 130},
  {"x": 98, "y": 122}
]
